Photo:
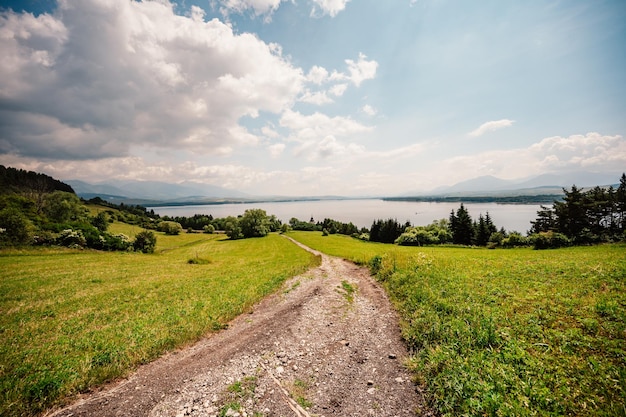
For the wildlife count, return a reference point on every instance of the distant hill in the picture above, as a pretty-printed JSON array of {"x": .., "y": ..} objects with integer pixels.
[
  {"x": 13, "y": 180},
  {"x": 145, "y": 192},
  {"x": 537, "y": 185}
]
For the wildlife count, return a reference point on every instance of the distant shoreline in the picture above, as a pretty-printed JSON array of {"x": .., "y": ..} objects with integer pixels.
[{"x": 518, "y": 199}]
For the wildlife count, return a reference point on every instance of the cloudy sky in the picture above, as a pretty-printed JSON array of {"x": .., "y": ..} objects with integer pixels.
[{"x": 312, "y": 97}]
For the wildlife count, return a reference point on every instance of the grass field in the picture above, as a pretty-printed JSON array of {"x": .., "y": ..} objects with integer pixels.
[
  {"x": 507, "y": 332},
  {"x": 72, "y": 319}
]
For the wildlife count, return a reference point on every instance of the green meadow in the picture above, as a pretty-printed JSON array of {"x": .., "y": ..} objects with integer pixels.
[
  {"x": 508, "y": 332},
  {"x": 73, "y": 319}
]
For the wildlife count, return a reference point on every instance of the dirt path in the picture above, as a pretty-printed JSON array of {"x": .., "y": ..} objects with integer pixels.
[{"x": 314, "y": 349}]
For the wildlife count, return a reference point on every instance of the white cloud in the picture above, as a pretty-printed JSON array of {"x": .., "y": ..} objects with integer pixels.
[
  {"x": 258, "y": 7},
  {"x": 328, "y": 7},
  {"x": 338, "y": 90},
  {"x": 491, "y": 126},
  {"x": 361, "y": 70},
  {"x": 369, "y": 110},
  {"x": 319, "y": 98},
  {"x": 319, "y": 125},
  {"x": 591, "y": 152},
  {"x": 276, "y": 150},
  {"x": 317, "y": 75},
  {"x": 146, "y": 77}
]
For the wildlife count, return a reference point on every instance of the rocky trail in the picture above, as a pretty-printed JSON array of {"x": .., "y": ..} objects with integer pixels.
[{"x": 327, "y": 344}]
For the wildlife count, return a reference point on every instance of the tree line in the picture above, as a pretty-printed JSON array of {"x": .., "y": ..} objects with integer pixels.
[
  {"x": 37, "y": 209},
  {"x": 585, "y": 217}
]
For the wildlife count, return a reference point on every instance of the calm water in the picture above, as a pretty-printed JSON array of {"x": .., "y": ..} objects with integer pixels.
[{"x": 513, "y": 217}]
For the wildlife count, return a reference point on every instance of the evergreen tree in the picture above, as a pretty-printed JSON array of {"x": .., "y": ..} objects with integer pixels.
[
  {"x": 482, "y": 232},
  {"x": 461, "y": 227},
  {"x": 572, "y": 214}
]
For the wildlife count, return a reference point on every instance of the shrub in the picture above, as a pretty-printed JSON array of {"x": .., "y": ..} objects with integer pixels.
[
  {"x": 15, "y": 229},
  {"x": 170, "y": 228},
  {"x": 514, "y": 240},
  {"x": 417, "y": 236},
  {"x": 71, "y": 238},
  {"x": 209, "y": 229},
  {"x": 145, "y": 242},
  {"x": 549, "y": 240}
]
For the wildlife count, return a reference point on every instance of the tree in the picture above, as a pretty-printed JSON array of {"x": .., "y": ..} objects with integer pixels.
[
  {"x": 482, "y": 232},
  {"x": 254, "y": 223},
  {"x": 571, "y": 213},
  {"x": 145, "y": 242},
  {"x": 545, "y": 222},
  {"x": 387, "y": 231},
  {"x": 61, "y": 207},
  {"x": 15, "y": 228},
  {"x": 100, "y": 221},
  {"x": 461, "y": 226},
  {"x": 232, "y": 228}
]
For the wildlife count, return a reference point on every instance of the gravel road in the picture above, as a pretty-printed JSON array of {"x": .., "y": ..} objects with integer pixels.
[{"x": 327, "y": 344}]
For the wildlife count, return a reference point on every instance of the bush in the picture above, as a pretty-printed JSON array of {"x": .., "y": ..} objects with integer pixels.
[
  {"x": 209, "y": 229},
  {"x": 71, "y": 238},
  {"x": 170, "y": 228},
  {"x": 549, "y": 240},
  {"x": 417, "y": 236},
  {"x": 15, "y": 229},
  {"x": 145, "y": 242},
  {"x": 514, "y": 240}
]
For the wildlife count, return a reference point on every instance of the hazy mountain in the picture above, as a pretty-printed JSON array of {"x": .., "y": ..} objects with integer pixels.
[
  {"x": 153, "y": 190},
  {"x": 541, "y": 184}
]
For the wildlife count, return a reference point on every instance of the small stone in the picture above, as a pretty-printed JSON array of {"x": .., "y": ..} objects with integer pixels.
[
  {"x": 280, "y": 370},
  {"x": 399, "y": 380},
  {"x": 345, "y": 343},
  {"x": 392, "y": 356},
  {"x": 370, "y": 382},
  {"x": 371, "y": 390}
]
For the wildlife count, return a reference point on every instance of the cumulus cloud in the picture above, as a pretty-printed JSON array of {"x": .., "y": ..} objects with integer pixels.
[
  {"x": 319, "y": 98},
  {"x": 146, "y": 77},
  {"x": 258, "y": 7},
  {"x": 328, "y": 7},
  {"x": 318, "y": 125},
  {"x": 591, "y": 152},
  {"x": 491, "y": 126},
  {"x": 357, "y": 72},
  {"x": 361, "y": 70}
]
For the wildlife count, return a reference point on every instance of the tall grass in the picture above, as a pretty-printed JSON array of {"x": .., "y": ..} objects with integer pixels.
[
  {"x": 507, "y": 332},
  {"x": 72, "y": 319}
]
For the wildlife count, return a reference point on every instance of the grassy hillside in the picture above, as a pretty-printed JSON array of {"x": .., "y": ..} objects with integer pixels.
[
  {"x": 71, "y": 319},
  {"x": 507, "y": 332}
]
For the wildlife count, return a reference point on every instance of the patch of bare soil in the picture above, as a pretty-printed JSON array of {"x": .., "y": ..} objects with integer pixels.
[{"x": 328, "y": 344}]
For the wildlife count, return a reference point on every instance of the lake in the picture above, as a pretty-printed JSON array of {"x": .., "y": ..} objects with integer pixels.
[{"x": 513, "y": 217}]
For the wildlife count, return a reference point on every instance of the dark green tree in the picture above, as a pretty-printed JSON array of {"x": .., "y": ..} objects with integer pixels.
[
  {"x": 461, "y": 226},
  {"x": 571, "y": 214}
]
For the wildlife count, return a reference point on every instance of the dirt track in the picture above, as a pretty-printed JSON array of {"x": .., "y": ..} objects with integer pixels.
[{"x": 312, "y": 349}]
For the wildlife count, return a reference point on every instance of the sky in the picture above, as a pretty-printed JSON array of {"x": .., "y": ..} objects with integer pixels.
[{"x": 312, "y": 97}]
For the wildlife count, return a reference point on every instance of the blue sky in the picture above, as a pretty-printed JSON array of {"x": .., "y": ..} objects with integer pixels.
[{"x": 313, "y": 97}]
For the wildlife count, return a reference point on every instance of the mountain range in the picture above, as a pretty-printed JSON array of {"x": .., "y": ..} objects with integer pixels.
[
  {"x": 152, "y": 192},
  {"x": 540, "y": 184}
]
